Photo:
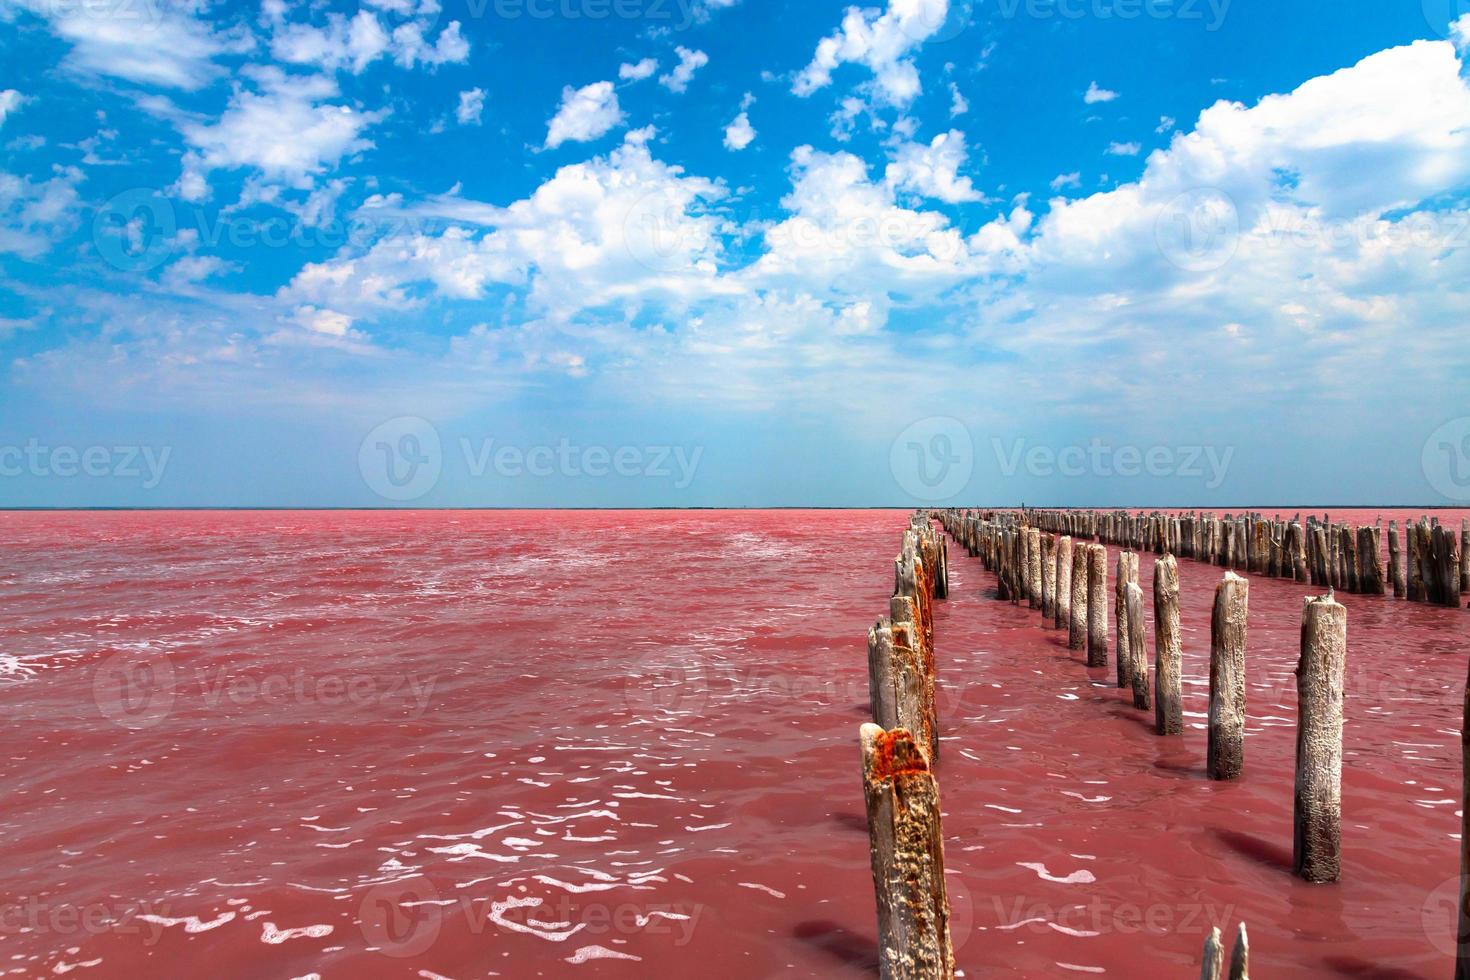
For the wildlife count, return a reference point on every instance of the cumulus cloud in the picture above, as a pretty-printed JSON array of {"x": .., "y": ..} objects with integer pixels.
[
  {"x": 36, "y": 214},
  {"x": 740, "y": 134},
  {"x": 619, "y": 228},
  {"x": 471, "y": 105},
  {"x": 689, "y": 62},
  {"x": 933, "y": 170},
  {"x": 156, "y": 44},
  {"x": 638, "y": 71},
  {"x": 10, "y": 100},
  {"x": 354, "y": 43},
  {"x": 1124, "y": 149},
  {"x": 1096, "y": 94},
  {"x": 585, "y": 114},
  {"x": 883, "y": 42},
  {"x": 285, "y": 127},
  {"x": 959, "y": 105}
]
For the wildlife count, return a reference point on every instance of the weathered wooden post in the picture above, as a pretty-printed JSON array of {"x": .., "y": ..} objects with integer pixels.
[
  {"x": 1213, "y": 965},
  {"x": 1396, "y": 562},
  {"x": 1077, "y": 632},
  {"x": 1447, "y": 555},
  {"x": 1033, "y": 567},
  {"x": 1127, "y": 572},
  {"x": 1168, "y": 695},
  {"x": 1240, "y": 958},
  {"x": 1137, "y": 651},
  {"x": 907, "y": 850},
  {"x": 1097, "y": 606},
  {"x": 1465, "y": 554},
  {"x": 1462, "y": 948},
  {"x": 1048, "y": 578},
  {"x": 1064, "y": 584},
  {"x": 1317, "y": 812},
  {"x": 1370, "y": 562},
  {"x": 896, "y": 680},
  {"x": 1226, "y": 753}
]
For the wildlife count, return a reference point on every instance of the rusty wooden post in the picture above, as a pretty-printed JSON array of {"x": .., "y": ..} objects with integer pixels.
[
  {"x": 1064, "y": 584},
  {"x": 1226, "y": 752},
  {"x": 1462, "y": 949},
  {"x": 1317, "y": 810},
  {"x": 1168, "y": 697},
  {"x": 906, "y": 846},
  {"x": 1097, "y": 606},
  {"x": 1077, "y": 632}
]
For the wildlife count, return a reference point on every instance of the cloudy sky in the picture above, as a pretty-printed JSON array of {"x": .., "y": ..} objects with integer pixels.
[{"x": 734, "y": 252}]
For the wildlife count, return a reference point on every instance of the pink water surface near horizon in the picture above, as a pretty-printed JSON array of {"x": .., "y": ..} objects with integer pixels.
[{"x": 466, "y": 744}]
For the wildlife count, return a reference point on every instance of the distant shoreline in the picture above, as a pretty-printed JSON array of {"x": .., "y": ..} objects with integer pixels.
[{"x": 1309, "y": 508}]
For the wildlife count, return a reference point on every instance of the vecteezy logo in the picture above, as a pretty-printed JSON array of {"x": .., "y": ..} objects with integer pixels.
[
  {"x": 402, "y": 918},
  {"x": 134, "y": 232},
  {"x": 1199, "y": 230},
  {"x": 933, "y": 458},
  {"x": 401, "y": 459},
  {"x": 1440, "y": 14},
  {"x": 134, "y": 690},
  {"x": 656, "y": 684},
  {"x": 934, "y": 21},
  {"x": 660, "y": 233},
  {"x": 1446, "y": 459},
  {"x": 1440, "y": 916}
]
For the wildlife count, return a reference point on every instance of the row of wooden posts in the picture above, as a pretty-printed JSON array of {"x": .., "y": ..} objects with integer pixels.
[
  {"x": 1429, "y": 562},
  {"x": 900, "y": 748},
  {"x": 1068, "y": 581}
]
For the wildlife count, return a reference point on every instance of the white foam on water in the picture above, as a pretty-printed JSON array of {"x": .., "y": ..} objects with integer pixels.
[
  {"x": 1083, "y": 877},
  {"x": 272, "y": 936},
  {"x": 587, "y": 953}
]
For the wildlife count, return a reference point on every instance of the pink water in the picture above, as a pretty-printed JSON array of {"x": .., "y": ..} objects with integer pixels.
[{"x": 537, "y": 744}]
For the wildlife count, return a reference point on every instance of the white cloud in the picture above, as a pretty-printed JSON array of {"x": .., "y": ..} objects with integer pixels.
[
  {"x": 1166, "y": 124},
  {"x": 689, "y": 63},
  {"x": 33, "y": 216},
  {"x": 639, "y": 71},
  {"x": 328, "y": 322},
  {"x": 881, "y": 42},
  {"x": 933, "y": 170},
  {"x": 585, "y": 114},
  {"x": 156, "y": 44},
  {"x": 959, "y": 105},
  {"x": 1096, "y": 94},
  {"x": 1073, "y": 179},
  {"x": 739, "y": 134},
  {"x": 624, "y": 228},
  {"x": 1460, "y": 32},
  {"x": 471, "y": 104},
  {"x": 410, "y": 47},
  {"x": 285, "y": 129},
  {"x": 10, "y": 100},
  {"x": 341, "y": 43},
  {"x": 1124, "y": 149}
]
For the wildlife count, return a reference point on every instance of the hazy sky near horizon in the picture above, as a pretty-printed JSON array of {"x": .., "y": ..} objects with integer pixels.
[{"x": 734, "y": 252}]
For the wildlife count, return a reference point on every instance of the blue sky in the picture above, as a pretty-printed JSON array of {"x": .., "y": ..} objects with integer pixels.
[{"x": 733, "y": 253}]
